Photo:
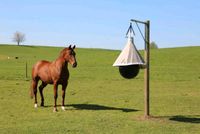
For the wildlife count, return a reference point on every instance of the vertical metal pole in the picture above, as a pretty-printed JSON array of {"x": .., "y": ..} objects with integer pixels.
[
  {"x": 147, "y": 67},
  {"x": 146, "y": 71}
]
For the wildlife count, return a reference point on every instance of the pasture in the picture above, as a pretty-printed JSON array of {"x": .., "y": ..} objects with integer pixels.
[{"x": 98, "y": 99}]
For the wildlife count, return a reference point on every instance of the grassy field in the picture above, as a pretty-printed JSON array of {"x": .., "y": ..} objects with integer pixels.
[{"x": 99, "y": 100}]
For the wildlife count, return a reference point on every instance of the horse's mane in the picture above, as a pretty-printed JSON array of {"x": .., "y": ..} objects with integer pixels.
[{"x": 62, "y": 52}]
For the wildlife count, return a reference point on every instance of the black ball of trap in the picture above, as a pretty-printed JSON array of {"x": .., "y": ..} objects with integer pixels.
[{"x": 130, "y": 71}]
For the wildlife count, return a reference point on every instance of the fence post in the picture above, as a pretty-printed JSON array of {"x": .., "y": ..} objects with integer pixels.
[{"x": 26, "y": 70}]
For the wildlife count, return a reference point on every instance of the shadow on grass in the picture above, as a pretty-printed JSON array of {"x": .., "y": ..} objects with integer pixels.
[
  {"x": 185, "y": 119},
  {"x": 99, "y": 107}
]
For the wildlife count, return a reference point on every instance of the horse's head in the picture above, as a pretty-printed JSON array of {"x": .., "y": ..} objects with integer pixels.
[{"x": 69, "y": 55}]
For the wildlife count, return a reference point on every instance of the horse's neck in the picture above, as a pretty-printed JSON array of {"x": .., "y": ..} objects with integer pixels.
[{"x": 61, "y": 63}]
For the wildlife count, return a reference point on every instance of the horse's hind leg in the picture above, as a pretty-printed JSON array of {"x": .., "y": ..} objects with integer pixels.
[{"x": 41, "y": 87}]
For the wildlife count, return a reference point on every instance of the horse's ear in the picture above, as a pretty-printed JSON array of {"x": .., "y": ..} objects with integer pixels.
[
  {"x": 74, "y": 47},
  {"x": 70, "y": 46}
]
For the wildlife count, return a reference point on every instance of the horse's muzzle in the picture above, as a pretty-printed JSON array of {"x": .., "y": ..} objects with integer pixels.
[{"x": 74, "y": 65}]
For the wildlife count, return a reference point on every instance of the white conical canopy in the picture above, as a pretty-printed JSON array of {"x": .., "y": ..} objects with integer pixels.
[{"x": 129, "y": 55}]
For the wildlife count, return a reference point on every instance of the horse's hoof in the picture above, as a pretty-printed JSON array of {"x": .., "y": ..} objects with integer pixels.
[
  {"x": 63, "y": 108},
  {"x": 42, "y": 105},
  {"x": 55, "y": 110},
  {"x": 35, "y": 105}
]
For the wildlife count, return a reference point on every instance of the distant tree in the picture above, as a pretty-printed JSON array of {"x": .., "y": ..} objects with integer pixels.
[
  {"x": 19, "y": 37},
  {"x": 153, "y": 45}
]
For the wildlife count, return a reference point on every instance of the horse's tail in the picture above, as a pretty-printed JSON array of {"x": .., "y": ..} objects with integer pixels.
[
  {"x": 33, "y": 84},
  {"x": 31, "y": 89}
]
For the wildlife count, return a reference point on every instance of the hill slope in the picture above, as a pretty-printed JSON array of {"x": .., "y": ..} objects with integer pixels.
[{"x": 98, "y": 99}]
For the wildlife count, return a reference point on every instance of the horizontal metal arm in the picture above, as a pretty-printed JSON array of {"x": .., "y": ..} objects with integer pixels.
[{"x": 139, "y": 21}]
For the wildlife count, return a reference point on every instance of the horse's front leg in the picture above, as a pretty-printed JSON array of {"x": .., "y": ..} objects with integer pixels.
[
  {"x": 55, "y": 96},
  {"x": 64, "y": 86}
]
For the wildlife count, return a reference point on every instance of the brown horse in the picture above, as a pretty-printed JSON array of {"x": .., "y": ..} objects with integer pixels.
[{"x": 55, "y": 73}]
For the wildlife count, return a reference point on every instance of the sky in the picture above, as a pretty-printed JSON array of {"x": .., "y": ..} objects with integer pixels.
[{"x": 100, "y": 23}]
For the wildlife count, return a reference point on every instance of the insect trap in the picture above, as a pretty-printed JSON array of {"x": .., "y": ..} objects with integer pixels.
[{"x": 129, "y": 61}]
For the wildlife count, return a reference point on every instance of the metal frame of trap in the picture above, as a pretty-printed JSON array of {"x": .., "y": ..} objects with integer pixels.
[{"x": 147, "y": 65}]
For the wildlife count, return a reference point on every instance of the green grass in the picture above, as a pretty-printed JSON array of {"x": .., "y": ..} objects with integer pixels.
[{"x": 99, "y": 100}]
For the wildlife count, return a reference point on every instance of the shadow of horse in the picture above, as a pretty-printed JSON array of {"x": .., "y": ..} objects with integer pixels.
[
  {"x": 181, "y": 118},
  {"x": 99, "y": 107}
]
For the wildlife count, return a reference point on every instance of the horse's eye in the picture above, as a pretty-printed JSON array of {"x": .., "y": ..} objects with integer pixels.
[{"x": 72, "y": 53}]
